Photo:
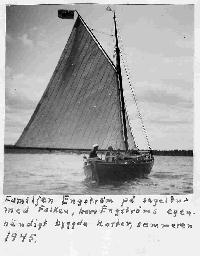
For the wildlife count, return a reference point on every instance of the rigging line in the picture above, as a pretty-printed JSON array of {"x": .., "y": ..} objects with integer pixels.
[
  {"x": 125, "y": 109},
  {"x": 137, "y": 106},
  {"x": 133, "y": 92},
  {"x": 127, "y": 114},
  {"x": 98, "y": 43},
  {"x": 129, "y": 124},
  {"x": 100, "y": 32}
]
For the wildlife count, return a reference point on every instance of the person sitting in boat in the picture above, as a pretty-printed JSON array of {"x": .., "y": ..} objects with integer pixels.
[
  {"x": 93, "y": 152},
  {"x": 134, "y": 152},
  {"x": 119, "y": 157},
  {"x": 110, "y": 157}
]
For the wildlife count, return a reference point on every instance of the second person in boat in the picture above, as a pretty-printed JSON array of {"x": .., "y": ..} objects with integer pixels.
[
  {"x": 119, "y": 157},
  {"x": 110, "y": 156}
]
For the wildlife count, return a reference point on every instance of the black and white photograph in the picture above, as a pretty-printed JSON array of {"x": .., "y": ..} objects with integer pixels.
[{"x": 99, "y": 99}]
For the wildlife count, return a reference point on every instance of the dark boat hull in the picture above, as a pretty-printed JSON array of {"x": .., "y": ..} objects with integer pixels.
[{"x": 103, "y": 172}]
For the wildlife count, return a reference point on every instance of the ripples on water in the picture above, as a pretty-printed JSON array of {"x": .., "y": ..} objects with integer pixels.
[{"x": 63, "y": 174}]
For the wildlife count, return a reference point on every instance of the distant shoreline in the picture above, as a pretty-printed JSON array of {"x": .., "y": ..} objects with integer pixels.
[{"x": 11, "y": 149}]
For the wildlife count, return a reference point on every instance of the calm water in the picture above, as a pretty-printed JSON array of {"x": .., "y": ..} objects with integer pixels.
[{"x": 63, "y": 174}]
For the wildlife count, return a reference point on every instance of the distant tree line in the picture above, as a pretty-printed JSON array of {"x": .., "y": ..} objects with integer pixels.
[{"x": 23, "y": 150}]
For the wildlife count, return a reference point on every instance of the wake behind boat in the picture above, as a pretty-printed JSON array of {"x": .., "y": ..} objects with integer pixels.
[{"x": 84, "y": 104}]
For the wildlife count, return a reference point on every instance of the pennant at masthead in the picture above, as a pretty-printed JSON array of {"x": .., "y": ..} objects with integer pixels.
[{"x": 66, "y": 14}]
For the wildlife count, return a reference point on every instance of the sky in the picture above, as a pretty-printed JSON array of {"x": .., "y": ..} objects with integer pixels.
[{"x": 158, "y": 45}]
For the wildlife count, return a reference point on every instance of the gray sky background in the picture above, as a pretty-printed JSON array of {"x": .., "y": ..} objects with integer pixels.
[{"x": 158, "y": 42}]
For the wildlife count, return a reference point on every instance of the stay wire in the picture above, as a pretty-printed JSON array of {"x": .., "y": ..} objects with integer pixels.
[
  {"x": 127, "y": 71},
  {"x": 100, "y": 32}
]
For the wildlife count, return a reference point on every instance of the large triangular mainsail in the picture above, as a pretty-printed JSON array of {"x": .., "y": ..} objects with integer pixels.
[{"x": 81, "y": 104}]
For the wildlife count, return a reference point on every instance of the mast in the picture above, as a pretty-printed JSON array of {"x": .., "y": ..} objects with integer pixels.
[{"x": 119, "y": 74}]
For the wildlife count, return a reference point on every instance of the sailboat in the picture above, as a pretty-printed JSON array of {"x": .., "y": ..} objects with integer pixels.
[{"x": 84, "y": 104}]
